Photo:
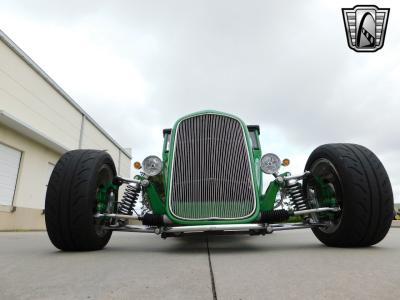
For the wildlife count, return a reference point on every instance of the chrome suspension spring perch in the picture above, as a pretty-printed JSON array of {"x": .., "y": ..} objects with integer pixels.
[
  {"x": 296, "y": 195},
  {"x": 129, "y": 199}
]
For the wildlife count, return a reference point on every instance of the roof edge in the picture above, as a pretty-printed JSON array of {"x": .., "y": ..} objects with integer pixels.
[{"x": 26, "y": 130}]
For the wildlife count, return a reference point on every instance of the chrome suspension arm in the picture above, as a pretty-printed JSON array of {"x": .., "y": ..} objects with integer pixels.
[
  {"x": 121, "y": 180},
  {"x": 315, "y": 210},
  {"x": 120, "y": 216},
  {"x": 228, "y": 228}
]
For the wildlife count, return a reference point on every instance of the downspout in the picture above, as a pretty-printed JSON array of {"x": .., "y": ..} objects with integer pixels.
[{"x": 81, "y": 131}]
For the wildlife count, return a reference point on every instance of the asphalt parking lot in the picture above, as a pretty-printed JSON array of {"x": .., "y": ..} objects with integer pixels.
[{"x": 284, "y": 265}]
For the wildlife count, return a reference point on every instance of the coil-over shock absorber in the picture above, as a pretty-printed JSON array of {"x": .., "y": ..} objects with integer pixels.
[
  {"x": 129, "y": 199},
  {"x": 296, "y": 194}
]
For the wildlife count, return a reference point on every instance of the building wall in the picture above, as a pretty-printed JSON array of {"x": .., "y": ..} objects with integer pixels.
[
  {"x": 93, "y": 139},
  {"x": 28, "y": 97},
  {"x": 125, "y": 169},
  {"x": 27, "y": 208},
  {"x": 30, "y": 192}
]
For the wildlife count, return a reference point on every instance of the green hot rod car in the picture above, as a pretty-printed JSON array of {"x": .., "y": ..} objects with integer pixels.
[{"x": 210, "y": 180}]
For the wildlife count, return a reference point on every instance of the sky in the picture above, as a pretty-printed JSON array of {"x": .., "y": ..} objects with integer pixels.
[{"x": 137, "y": 66}]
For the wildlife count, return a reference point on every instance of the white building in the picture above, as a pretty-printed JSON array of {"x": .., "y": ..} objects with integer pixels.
[{"x": 38, "y": 123}]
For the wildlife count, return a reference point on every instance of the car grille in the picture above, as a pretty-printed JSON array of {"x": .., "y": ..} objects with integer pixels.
[{"x": 211, "y": 174}]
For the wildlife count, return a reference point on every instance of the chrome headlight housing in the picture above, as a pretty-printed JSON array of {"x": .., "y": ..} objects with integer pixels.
[
  {"x": 270, "y": 163},
  {"x": 152, "y": 165}
]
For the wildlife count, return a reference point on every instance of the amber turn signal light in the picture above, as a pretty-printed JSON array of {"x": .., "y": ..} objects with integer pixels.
[
  {"x": 137, "y": 165},
  {"x": 285, "y": 162}
]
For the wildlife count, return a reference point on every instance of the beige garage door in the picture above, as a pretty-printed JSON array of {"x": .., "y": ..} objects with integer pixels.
[{"x": 9, "y": 166}]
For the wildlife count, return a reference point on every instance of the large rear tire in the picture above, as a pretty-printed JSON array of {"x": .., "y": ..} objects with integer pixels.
[
  {"x": 71, "y": 200},
  {"x": 360, "y": 186}
]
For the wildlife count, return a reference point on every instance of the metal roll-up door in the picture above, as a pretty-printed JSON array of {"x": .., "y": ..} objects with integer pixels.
[{"x": 9, "y": 167}]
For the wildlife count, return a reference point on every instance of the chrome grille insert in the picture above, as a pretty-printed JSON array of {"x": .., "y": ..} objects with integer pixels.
[{"x": 211, "y": 173}]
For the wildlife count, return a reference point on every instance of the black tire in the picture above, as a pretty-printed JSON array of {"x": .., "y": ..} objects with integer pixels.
[
  {"x": 71, "y": 200},
  {"x": 363, "y": 192}
]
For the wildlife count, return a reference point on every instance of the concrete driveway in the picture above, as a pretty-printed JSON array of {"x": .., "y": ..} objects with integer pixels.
[{"x": 284, "y": 265}]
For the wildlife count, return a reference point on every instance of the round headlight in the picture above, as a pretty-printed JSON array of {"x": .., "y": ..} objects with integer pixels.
[
  {"x": 270, "y": 163},
  {"x": 152, "y": 165}
]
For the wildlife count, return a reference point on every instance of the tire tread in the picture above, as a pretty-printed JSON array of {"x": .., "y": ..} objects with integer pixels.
[
  {"x": 368, "y": 197},
  {"x": 69, "y": 194}
]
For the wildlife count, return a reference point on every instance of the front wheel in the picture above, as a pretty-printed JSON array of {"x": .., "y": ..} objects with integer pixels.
[
  {"x": 352, "y": 178},
  {"x": 72, "y": 200}
]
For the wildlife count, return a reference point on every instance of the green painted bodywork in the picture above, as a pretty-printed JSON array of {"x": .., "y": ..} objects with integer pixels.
[
  {"x": 268, "y": 199},
  {"x": 327, "y": 195},
  {"x": 326, "y": 198},
  {"x": 264, "y": 201},
  {"x": 102, "y": 196},
  {"x": 155, "y": 200}
]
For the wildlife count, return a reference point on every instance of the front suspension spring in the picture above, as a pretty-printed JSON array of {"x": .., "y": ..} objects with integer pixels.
[
  {"x": 296, "y": 195},
  {"x": 129, "y": 199}
]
